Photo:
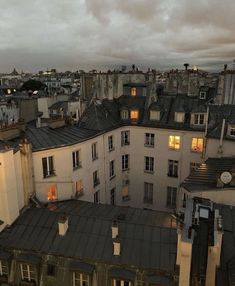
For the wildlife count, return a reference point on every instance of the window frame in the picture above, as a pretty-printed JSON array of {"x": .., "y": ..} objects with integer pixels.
[
  {"x": 122, "y": 281},
  {"x": 171, "y": 197},
  {"x": 125, "y": 162},
  {"x": 125, "y": 137},
  {"x": 148, "y": 193},
  {"x": 133, "y": 91},
  {"x": 96, "y": 197},
  {"x": 232, "y": 131},
  {"x": 96, "y": 180},
  {"x": 94, "y": 151},
  {"x": 79, "y": 281},
  {"x": 48, "y": 166},
  {"x": 149, "y": 164},
  {"x": 3, "y": 268},
  {"x": 113, "y": 196},
  {"x": 197, "y": 150},
  {"x": 76, "y": 159},
  {"x": 199, "y": 119},
  {"x": 173, "y": 168},
  {"x": 125, "y": 114},
  {"x": 29, "y": 270},
  {"x": 78, "y": 191},
  {"x": 172, "y": 142},
  {"x": 149, "y": 140},
  {"x": 111, "y": 169},
  {"x": 110, "y": 143}
]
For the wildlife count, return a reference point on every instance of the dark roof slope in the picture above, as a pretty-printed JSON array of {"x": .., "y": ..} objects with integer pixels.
[
  {"x": 148, "y": 238},
  {"x": 205, "y": 177}
]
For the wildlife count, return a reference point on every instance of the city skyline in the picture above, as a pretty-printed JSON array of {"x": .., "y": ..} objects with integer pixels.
[{"x": 107, "y": 34}]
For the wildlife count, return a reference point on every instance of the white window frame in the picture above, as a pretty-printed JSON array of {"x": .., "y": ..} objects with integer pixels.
[
  {"x": 3, "y": 268},
  {"x": 149, "y": 164},
  {"x": 125, "y": 114},
  {"x": 110, "y": 143},
  {"x": 154, "y": 115},
  {"x": 125, "y": 162},
  {"x": 30, "y": 272},
  {"x": 199, "y": 119},
  {"x": 125, "y": 137},
  {"x": 111, "y": 169},
  {"x": 232, "y": 131},
  {"x": 94, "y": 151},
  {"x": 170, "y": 196},
  {"x": 76, "y": 159},
  {"x": 148, "y": 193},
  {"x": 179, "y": 117},
  {"x": 49, "y": 163},
  {"x": 114, "y": 282},
  {"x": 196, "y": 149},
  {"x": 173, "y": 168},
  {"x": 83, "y": 277},
  {"x": 202, "y": 95},
  {"x": 149, "y": 139},
  {"x": 173, "y": 147}
]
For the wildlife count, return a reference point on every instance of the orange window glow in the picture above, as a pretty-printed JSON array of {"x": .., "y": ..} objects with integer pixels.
[
  {"x": 174, "y": 142},
  {"x": 52, "y": 193},
  {"x": 133, "y": 91},
  {"x": 197, "y": 144},
  {"x": 134, "y": 114}
]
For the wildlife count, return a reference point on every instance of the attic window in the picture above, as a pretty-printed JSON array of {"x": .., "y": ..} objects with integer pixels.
[
  {"x": 154, "y": 115},
  {"x": 232, "y": 131},
  {"x": 202, "y": 95},
  {"x": 134, "y": 115},
  {"x": 133, "y": 91},
  {"x": 198, "y": 119},
  {"x": 125, "y": 114},
  {"x": 179, "y": 117}
]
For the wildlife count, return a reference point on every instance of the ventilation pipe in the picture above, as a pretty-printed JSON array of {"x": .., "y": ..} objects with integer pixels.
[{"x": 63, "y": 224}]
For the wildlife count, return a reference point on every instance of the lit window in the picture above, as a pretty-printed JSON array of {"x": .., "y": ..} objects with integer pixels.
[
  {"x": 125, "y": 162},
  {"x": 79, "y": 188},
  {"x": 97, "y": 197},
  {"x": 199, "y": 119},
  {"x": 119, "y": 282},
  {"x": 171, "y": 197},
  {"x": 134, "y": 115},
  {"x": 112, "y": 196},
  {"x": 179, "y": 117},
  {"x": 173, "y": 168},
  {"x": 197, "y": 144},
  {"x": 81, "y": 279},
  {"x": 3, "y": 268},
  {"x": 149, "y": 139},
  {"x": 111, "y": 169},
  {"x": 125, "y": 192},
  {"x": 125, "y": 138},
  {"x": 174, "y": 142},
  {"x": 76, "y": 159},
  {"x": 124, "y": 114},
  {"x": 154, "y": 115},
  {"x": 110, "y": 143},
  {"x": 96, "y": 180},
  {"x": 133, "y": 91},
  {"x": 52, "y": 193},
  {"x": 149, "y": 164},
  {"x": 48, "y": 166},
  {"x": 94, "y": 152},
  {"x": 27, "y": 272},
  {"x": 148, "y": 193}
]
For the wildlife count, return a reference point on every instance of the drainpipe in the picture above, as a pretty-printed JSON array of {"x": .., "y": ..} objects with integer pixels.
[
  {"x": 220, "y": 149},
  {"x": 205, "y": 139}
]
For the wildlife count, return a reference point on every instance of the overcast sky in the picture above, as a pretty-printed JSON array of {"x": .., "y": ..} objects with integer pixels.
[{"x": 84, "y": 34}]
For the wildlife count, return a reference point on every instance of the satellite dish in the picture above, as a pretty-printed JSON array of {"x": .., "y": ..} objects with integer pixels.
[{"x": 226, "y": 177}]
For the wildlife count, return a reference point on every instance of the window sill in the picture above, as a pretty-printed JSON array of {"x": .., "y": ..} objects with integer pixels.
[
  {"x": 173, "y": 149},
  {"x": 77, "y": 167},
  {"x": 149, "y": 172},
  {"x": 49, "y": 176},
  {"x": 148, "y": 145},
  {"x": 110, "y": 150},
  {"x": 196, "y": 151},
  {"x": 172, "y": 176},
  {"x": 125, "y": 144},
  {"x": 110, "y": 178},
  {"x": 124, "y": 170},
  {"x": 95, "y": 158}
]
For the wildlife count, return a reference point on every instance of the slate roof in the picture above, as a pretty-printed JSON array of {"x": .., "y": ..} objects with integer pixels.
[
  {"x": 148, "y": 238},
  {"x": 58, "y": 105},
  {"x": 205, "y": 177}
]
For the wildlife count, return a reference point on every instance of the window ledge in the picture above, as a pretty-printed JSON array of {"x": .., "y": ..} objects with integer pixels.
[
  {"x": 148, "y": 145},
  {"x": 149, "y": 172},
  {"x": 172, "y": 176},
  {"x": 196, "y": 151},
  {"x": 77, "y": 167},
  {"x": 49, "y": 176},
  {"x": 124, "y": 170},
  {"x": 96, "y": 183},
  {"x": 112, "y": 149},
  {"x": 110, "y": 178},
  {"x": 126, "y": 144}
]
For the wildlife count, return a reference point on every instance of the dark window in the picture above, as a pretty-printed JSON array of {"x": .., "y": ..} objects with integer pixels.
[
  {"x": 48, "y": 166},
  {"x": 112, "y": 196},
  {"x": 51, "y": 269},
  {"x": 125, "y": 162},
  {"x": 173, "y": 168},
  {"x": 171, "y": 197},
  {"x": 149, "y": 164}
]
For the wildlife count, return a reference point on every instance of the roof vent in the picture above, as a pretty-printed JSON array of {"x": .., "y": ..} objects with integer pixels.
[
  {"x": 63, "y": 224},
  {"x": 116, "y": 246}
]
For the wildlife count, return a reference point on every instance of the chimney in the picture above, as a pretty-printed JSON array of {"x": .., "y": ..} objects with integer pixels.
[
  {"x": 116, "y": 246},
  {"x": 39, "y": 122},
  {"x": 114, "y": 229},
  {"x": 63, "y": 224}
]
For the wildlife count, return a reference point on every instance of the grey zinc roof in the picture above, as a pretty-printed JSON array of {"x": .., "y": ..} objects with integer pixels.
[
  {"x": 205, "y": 177},
  {"x": 143, "y": 234}
]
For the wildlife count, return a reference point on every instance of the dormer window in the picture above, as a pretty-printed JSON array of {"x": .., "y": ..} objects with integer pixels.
[
  {"x": 133, "y": 91},
  {"x": 198, "y": 118},
  {"x": 202, "y": 95},
  {"x": 134, "y": 115},
  {"x": 154, "y": 115},
  {"x": 231, "y": 130},
  {"x": 124, "y": 114},
  {"x": 179, "y": 117}
]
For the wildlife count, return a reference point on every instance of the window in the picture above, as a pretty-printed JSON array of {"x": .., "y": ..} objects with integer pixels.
[
  {"x": 171, "y": 197},
  {"x": 96, "y": 180},
  {"x": 110, "y": 143},
  {"x": 48, "y": 166},
  {"x": 148, "y": 193},
  {"x": 125, "y": 192},
  {"x": 174, "y": 142},
  {"x": 202, "y": 95},
  {"x": 198, "y": 119},
  {"x": 179, "y": 117},
  {"x": 232, "y": 131},
  {"x": 111, "y": 169},
  {"x": 194, "y": 166},
  {"x": 134, "y": 115},
  {"x": 149, "y": 139},
  {"x": 52, "y": 193},
  {"x": 133, "y": 91},
  {"x": 154, "y": 115},
  {"x": 112, "y": 196},
  {"x": 78, "y": 188},
  {"x": 125, "y": 138},
  {"x": 80, "y": 279},
  {"x": 76, "y": 159},
  {"x": 124, "y": 114},
  {"x": 94, "y": 151},
  {"x": 197, "y": 144},
  {"x": 51, "y": 270},
  {"x": 173, "y": 168},
  {"x": 125, "y": 162},
  {"x": 97, "y": 197},
  {"x": 3, "y": 268},
  {"x": 149, "y": 164},
  {"x": 27, "y": 272},
  {"x": 119, "y": 282}
]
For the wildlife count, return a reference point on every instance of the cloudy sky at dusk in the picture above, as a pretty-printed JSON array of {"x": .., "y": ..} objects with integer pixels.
[{"x": 84, "y": 34}]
